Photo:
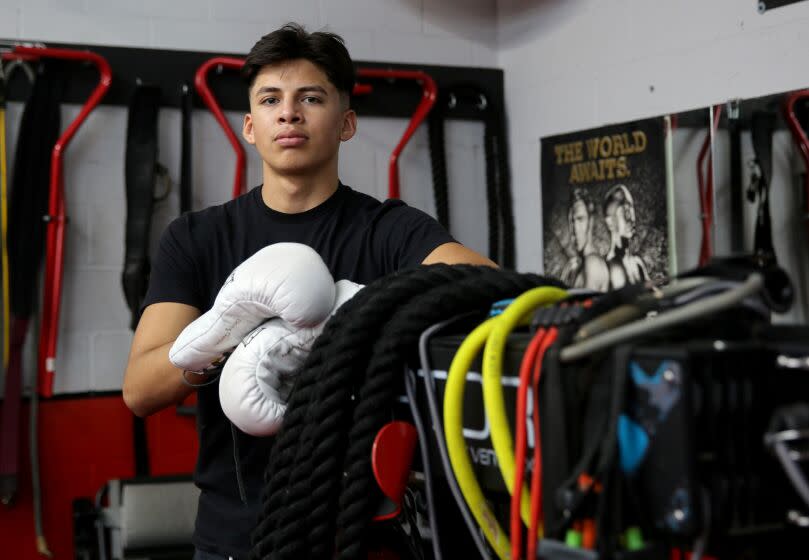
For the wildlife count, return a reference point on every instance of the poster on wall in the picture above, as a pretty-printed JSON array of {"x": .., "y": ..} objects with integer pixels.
[{"x": 604, "y": 205}]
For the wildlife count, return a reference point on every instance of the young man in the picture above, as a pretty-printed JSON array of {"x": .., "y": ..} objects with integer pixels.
[{"x": 299, "y": 87}]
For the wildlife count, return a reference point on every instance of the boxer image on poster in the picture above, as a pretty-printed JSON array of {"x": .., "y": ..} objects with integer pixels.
[{"x": 604, "y": 218}]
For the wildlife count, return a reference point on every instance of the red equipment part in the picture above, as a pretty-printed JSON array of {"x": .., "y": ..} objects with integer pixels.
[
  {"x": 705, "y": 185},
  {"x": 201, "y": 84},
  {"x": 391, "y": 457},
  {"x": 799, "y": 135},
  {"x": 530, "y": 375},
  {"x": 362, "y": 89},
  {"x": 12, "y": 56},
  {"x": 429, "y": 94},
  {"x": 55, "y": 235},
  {"x": 521, "y": 442},
  {"x": 536, "y": 474}
]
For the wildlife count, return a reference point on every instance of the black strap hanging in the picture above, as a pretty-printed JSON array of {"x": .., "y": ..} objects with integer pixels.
[
  {"x": 438, "y": 160},
  {"x": 141, "y": 171},
  {"x": 30, "y": 185},
  {"x": 498, "y": 180},
  {"x": 763, "y": 126},
  {"x": 186, "y": 104},
  {"x": 492, "y": 198},
  {"x": 496, "y": 130},
  {"x": 28, "y": 204},
  {"x": 736, "y": 186}
]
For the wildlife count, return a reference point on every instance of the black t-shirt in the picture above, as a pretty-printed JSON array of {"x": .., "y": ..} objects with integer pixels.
[{"x": 359, "y": 239}]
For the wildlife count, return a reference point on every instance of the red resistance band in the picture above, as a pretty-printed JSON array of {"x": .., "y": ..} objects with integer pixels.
[
  {"x": 429, "y": 93},
  {"x": 56, "y": 219},
  {"x": 201, "y": 85},
  {"x": 531, "y": 364},
  {"x": 705, "y": 181}
]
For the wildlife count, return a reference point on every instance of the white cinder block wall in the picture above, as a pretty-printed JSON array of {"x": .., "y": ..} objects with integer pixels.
[
  {"x": 577, "y": 64},
  {"x": 569, "y": 65},
  {"x": 94, "y": 334}
]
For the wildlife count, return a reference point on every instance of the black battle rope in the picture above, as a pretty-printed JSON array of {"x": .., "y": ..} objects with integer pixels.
[
  {"x": 141, "y": 172},
  {"x": 332, "y": 352},
  {"x": 492, "y": 200},
  {"x": 186, "y": 105},
  {"x": 498, "y": 178},
  {"x": 326, "y": 509},
  {"x": 312, "y": 379},
  {"x": 496, "y": 129},
  {"x": 306, "y": 521},
  {"x": 438, "y": 161},
  {"x": 325, "y": 444}
]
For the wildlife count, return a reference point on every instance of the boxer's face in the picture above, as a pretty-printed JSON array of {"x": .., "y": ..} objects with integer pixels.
[
  {"x": 297, "y": 118},
  {"x": 580, "y": 224}
]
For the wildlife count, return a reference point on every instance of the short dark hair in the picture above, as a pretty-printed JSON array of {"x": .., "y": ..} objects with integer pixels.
[
  {"x": 326, "y": 50},
  {"x": 581, "y": 195}
]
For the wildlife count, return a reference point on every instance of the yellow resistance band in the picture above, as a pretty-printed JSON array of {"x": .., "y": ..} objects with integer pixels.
[
  {"x": 4, "y": 237},
  {"x": 456, "y": 446},
  {"x": 493, "y": 400}
]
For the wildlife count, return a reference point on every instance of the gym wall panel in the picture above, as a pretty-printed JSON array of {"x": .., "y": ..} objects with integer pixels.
[
  {"x": 461, "y": 52},
  {"x": 73, "y": 367},
  {"x": 91, "y": 299},
  {"x": 577, "y": 64},
  {"x": 388, "y": 15},
  {"x": 175, "y": 9},
  {"x": 358, "y": 166},
  {"x": 272, "y": 14},
  {"x": 466, "y": 169},
  {"x": 360, "y": 43},
  {"x": 222, "y": 25},
  {"x": 107, "y": 361},
  {"x": 738, "y": 66},
  {"x": 230, "y": 37},
  {"x": 527, "y": 209},
  {"x": 10, "y": 22},
  {"x": 52, "y": 20},
  {"x": 472, "y": 19},
  {"x": 692, "y": 22},
  {"x": 104, "y": 203},
  {"x": 79, "y": 243}
]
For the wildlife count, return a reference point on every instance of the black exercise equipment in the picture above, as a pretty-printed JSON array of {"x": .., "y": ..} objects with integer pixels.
[{"x": 141, "y": 172}]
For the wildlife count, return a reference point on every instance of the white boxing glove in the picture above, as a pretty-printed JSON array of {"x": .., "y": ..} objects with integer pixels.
[
  {"x": 287, "y": 280},
  {"x": 259, "y": 374}
]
